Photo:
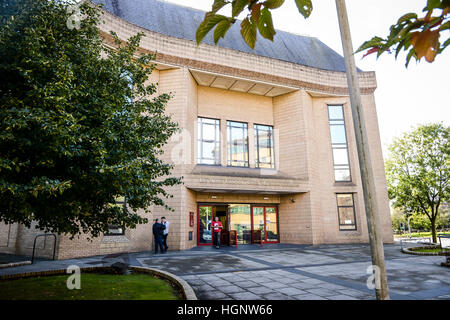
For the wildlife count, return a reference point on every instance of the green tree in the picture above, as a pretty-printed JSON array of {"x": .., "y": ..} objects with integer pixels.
[
  {"x": 418, "y": 171},
  {"x": 443, "y": 221},
  {"x": 417, "y": 35},
  {"x": 419, "y": 221},
  {"x": 398, "y": 218},
  {"x": 78, "y": 128}
]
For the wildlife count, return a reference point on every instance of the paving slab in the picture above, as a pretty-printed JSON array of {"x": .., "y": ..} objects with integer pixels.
[
  {"x": 231, "y": 289},
  {"x": 245, "y": 296},
  {"x": 285, "y": 271},
  {"x": 291, "y": 291}
]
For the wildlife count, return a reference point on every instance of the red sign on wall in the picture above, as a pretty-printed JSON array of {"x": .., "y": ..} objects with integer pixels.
[{"x": 191, "y": 219}]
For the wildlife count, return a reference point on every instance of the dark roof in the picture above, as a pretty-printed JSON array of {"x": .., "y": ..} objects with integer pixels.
[{"x": 182, "y": 22}]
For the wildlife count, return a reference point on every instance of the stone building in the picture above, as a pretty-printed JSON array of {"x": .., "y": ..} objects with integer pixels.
[{"x": 267, "y": 145}]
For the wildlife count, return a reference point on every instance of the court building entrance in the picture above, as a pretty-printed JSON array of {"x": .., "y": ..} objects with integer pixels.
[{"x": 242, "y": 223}]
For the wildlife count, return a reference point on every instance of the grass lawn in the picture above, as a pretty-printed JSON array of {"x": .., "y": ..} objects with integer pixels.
[
  {"x": 93, "y": 287},
  {"x": 418, "y": 234},
  {"x": 435, "y": 250}
]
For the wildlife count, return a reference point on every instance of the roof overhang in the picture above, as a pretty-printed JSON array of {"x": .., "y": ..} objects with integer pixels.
[
  {"x": 244, "y": 191},
  {"x": 232, "y": 83}
]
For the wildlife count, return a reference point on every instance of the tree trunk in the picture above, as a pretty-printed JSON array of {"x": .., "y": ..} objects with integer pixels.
[{"x": 433, "y": 230}]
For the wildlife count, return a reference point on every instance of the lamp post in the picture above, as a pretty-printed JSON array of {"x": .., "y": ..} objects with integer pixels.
[{"x": 362, "y": 143}]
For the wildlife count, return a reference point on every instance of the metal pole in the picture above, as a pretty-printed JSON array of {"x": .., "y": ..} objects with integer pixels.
[{"x": 368, "y": 183}]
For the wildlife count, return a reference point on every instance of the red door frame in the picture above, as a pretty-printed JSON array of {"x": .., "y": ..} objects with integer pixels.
[
  {"x": 265, "y": 225},
  {"x": 265, "y": 233},
  {"x": 228, "y": 219},
  {"x": 198, "y": 225}
]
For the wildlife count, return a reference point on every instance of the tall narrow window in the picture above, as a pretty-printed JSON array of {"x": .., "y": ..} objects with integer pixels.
[
  {"x": 346, "y": 211},
  {"x": 339, "y": 143},
  {"x": 208, "y": 141},
  {"x": 237, "y": 144},
  {"x": 264, "y": 155}
]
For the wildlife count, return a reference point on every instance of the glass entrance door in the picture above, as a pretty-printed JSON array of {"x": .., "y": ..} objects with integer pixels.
[
  {"x": 205, "y": 214},
  {"x": 271, "y": 224},
  {"x": 240, "y": 220},
  {"x": 265, "y": 219}
]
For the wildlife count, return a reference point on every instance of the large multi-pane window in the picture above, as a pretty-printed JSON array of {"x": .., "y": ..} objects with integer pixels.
[
  {"x": 346, "y": 211},
  {"x": 339, "y": 143},
  {"x": 264, "y": 155},
  {"x": 208, "y": 141},
  {"x": 237, "y": 144}
]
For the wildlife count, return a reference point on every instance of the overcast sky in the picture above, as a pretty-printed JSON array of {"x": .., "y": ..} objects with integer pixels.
[{"x": 405, "y": 97}]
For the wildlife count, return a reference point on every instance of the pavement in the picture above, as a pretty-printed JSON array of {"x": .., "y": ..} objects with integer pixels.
[{"x": 284, "y": 271}]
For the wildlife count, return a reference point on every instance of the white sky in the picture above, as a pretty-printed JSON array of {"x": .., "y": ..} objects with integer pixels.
[{"x": 405, "y": 97}]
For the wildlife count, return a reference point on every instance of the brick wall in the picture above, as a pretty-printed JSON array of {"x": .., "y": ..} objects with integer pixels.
[{"x": 303, "y": 177}]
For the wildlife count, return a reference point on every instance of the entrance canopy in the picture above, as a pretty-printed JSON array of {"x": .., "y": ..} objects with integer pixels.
[{"x": 242, "y": 191}]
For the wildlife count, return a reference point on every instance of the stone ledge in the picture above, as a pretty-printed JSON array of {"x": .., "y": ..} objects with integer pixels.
[
  {"x": 414, "y": 252},
  {"x": 14, "y": 264},
  {"x": 186, "y": 288},
  {"x": 115, "y": 239}
]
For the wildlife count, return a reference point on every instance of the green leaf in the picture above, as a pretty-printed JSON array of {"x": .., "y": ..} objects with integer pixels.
[
  {"x": 218, "y": 4},
  {"x": 248, "y": 32},
  {"x": 221, "y": 30},
  {"x": 305, "y": 7},
  {"x": 374, "y": 42},
  {"x": 238, "y": 6},
  {"x": 265, "y": 24},
  {"x": 407, "y": 17},
  {"x": 433, "y": 4},
  {"x": 445, "y": 45},
  {"x": 410, "y": 55},
  {"x": 445, "y": 26},
  {"x": 273, "y": 4},
  {"x": 207, "y": 24}
]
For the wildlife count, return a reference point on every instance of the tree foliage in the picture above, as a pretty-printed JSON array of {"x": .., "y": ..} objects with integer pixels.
[
  {"x": 418, "y": 171},
  {"x": 258, "y": 19},
  {"x": 419, "y": 36},
  {"x": 78, "y": 127}
]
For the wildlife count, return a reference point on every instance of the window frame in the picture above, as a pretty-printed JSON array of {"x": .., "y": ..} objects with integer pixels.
[
  {"x": 114, "y": 226},
  {"x": 339, "y": 214},
  {"x": 218, "y": 159},
  {"x": 230, "y": 146},
  {"x": 336, "y": 146},
  {"x": 271, "y": 147}
]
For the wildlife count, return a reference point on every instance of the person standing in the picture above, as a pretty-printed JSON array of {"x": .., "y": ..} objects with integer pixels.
[
  {"x": 217, "y": 228},
  {"x": 158, "y": 232},
  {"x": 166, "y": 232}
]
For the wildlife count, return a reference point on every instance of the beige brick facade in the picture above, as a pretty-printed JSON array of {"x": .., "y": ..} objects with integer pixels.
[{"x": 295, "y": 103}]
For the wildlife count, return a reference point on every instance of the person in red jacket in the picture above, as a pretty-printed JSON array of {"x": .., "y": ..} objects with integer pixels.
[{"x": 217, "y": 228}]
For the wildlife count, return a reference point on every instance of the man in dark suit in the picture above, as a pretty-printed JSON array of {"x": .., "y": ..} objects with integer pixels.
[{"x": 158, "y": 232}]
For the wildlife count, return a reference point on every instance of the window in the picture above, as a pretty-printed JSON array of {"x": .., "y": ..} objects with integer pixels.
[
  {"x": 346, "y": 212},
  {"x": 208, "y": 141},
  {"x": 264, "y": 146},
  {"x": 113, "y": 229},
  {"x": 339, "y": 143},
  {"x": 237, "y": 144}
]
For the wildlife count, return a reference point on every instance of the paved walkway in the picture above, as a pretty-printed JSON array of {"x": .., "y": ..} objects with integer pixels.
[{"x": 285, "y": 272}]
